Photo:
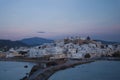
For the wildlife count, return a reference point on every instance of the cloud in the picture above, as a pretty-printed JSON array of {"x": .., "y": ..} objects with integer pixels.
[{"x": 41, "y": 32}]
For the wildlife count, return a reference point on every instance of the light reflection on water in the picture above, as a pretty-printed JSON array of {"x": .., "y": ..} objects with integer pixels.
[
  {"x": 99, "y": 70},
  {"x": 14, "y": 70}
]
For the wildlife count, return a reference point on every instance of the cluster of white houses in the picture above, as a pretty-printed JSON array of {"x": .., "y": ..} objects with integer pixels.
[{"x": 75, "y": 48}]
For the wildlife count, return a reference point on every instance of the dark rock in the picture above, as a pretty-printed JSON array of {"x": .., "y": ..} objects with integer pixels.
[
  {"x": 35, "y": 68},
  {"x": 25, "y": 66},
  {"x": 24, "y": 78}
]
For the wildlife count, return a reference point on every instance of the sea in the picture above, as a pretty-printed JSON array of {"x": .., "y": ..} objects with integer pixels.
[
  {"x": 14, "y": 70},
  {"x": 99, "y": 70}
]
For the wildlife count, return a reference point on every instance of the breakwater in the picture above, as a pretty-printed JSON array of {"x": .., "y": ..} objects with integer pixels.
[{"x": 46, "y": 73}]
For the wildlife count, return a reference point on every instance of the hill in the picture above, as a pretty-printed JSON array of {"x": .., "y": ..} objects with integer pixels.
[
  {"x": 35, "y": 41},
  {"x": 107, "y": 42},
  {"x": 7, "y": 44}
]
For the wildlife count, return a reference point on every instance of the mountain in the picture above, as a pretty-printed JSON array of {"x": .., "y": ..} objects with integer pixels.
[
  {"x": 35, "y": 41},
  {"x": 107, "y": 42},
  {"x": 7, "y": 44}
]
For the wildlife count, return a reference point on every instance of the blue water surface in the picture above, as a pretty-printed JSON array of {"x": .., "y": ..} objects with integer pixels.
[
  {"x": 99, "y": 70},
  {"x": 14, "y": 70}
]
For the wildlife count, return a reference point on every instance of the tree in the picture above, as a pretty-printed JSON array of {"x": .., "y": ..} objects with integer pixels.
[
  {"x": 102, "y": 46},
  {"x": 87, "y": 56},
  {"x": 88, "y": 38},
  {"x": 116, "y": 54}
]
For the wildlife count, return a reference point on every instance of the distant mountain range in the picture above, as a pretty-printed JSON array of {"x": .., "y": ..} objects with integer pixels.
[
  {"x": 7, "y": 44},
  {"x": 35, "y": 41},
  {"x": 107, "y": 42}
]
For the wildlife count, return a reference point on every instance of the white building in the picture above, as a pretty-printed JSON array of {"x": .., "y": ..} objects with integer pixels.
[
  {"x": 12, "y": 53},
  {"x": 71, "y": 50}
]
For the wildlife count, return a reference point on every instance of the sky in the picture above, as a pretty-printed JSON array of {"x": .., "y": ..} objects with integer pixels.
[{"x": 99, "y": 19}]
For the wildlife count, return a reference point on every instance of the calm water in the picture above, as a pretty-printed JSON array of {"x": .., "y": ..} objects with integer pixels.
[
  {"x": 14, "y": 70},
  {"x": 100, "y": 70}
]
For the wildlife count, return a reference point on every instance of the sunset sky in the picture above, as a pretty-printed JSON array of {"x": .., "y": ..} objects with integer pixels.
[{"x": 54, "y": 19}]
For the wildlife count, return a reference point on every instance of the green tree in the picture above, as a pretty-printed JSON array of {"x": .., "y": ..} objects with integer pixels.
[
  {"x": 87, "y": 56},
  {"x": 88, "y": 38}
]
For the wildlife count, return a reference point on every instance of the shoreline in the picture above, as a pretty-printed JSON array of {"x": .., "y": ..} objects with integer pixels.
[
  {"x": 24, "y": 60},
  {"x": 44, "y": 74}
]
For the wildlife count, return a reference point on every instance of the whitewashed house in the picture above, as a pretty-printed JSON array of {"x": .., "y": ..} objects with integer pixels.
[{"x": 12, "y": 53}]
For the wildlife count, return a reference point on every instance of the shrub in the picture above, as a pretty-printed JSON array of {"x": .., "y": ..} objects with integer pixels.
[
  {"x": 87, "y": 56},
  {"x": 88, "y": 38},
  {"x": 102, "y": 46},
  {"x": 116, "y": 54}
]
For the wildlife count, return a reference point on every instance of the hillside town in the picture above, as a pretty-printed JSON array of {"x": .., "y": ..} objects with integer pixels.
[{"x": 70, "y": 47}]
